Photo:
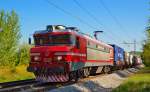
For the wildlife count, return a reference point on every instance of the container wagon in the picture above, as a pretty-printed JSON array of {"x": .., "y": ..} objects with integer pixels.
[{"x": 119, "y": 59}]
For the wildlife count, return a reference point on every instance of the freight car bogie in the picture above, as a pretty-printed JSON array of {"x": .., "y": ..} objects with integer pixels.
[
  {"x": 75, "y": 75},
  {"x": 81, "y": 73},
  {"x": 107, "y": 69},
  {"x": 86, "y": 72}
]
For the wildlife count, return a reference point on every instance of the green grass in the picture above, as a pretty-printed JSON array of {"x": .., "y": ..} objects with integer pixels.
[
  {"x": 8, "y": 74},
  {"x": 139, "y": 82}
]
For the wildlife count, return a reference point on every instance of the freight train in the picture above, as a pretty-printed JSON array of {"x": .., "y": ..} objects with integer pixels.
[{"x": 64, "y": 54}]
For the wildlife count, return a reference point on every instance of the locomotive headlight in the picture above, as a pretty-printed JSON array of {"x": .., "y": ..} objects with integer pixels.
[
  {"x": 36, "y": 58},
  {"x": 59, "y": 58}
]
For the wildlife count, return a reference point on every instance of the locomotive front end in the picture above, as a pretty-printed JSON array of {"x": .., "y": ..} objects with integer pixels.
[{"x": 49, "y": 59}]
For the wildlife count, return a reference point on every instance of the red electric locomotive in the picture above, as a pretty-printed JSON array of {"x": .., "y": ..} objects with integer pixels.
[{"x": 63, "y": 53}]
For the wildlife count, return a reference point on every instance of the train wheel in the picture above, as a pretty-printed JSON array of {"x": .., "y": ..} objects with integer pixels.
[
  {"x": 71, "y": 76},
  {"x": 106, "y": 69},
  {"x": 76, "y": 75},
  {"x": 86, "y": 72},
  {"x": 93, "y": 71}
]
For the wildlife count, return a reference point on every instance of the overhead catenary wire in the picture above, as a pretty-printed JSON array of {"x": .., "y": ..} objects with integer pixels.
[
  {"x": 86, "y": 11},
  {"x": 114, "y": 18},
  {"x": 95, "y": 19},
  {"x": 72, "y": 15},
  {"x": 92, "y": 16}
]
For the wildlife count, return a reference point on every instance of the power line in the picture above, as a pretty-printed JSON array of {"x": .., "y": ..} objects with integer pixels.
[
  {"x": 113, "y": 17},
  {"x": 87, "y": 12},
  {"x": 91, "y": 15},
  {"x": 70, "y": 14},
  {"x": 132, "y": 43}
]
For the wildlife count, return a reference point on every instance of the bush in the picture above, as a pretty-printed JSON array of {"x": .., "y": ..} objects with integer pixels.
[
  {"x": 146, "y": 47},
  {"x": 23, "y": 54},
  {"x": 146, "y": 54},
  {"x": 15, "y": 73}
]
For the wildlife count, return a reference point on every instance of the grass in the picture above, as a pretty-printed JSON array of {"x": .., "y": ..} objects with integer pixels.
[
  {"x": 139, "y": 82},
  {"x": 8, "y": 74}
]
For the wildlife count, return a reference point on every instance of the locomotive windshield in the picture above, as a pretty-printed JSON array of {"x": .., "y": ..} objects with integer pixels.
[{"x": 54, "y": 40}]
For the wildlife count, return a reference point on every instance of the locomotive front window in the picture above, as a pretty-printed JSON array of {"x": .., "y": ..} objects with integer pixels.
[
  {"x": 60, "y": 39},
  {"x": 54, "y": 40},
  {"x": 41, "y": 40}
]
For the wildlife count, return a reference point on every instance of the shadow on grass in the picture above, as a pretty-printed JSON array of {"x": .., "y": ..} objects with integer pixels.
[
  {"x": 140, "y": 82},
  {"x": 145, "y": 70},
  {"x": 133, "y": 87}
]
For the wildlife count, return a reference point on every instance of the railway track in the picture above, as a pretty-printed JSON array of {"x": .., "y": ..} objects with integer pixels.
[
  {"x": 32, "y": 85},
  {"x": 16, "y": 83}
]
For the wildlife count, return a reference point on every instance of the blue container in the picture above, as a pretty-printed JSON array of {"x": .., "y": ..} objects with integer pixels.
[{"x": 118, "y": 54}]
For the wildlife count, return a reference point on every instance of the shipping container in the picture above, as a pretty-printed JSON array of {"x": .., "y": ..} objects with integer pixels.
[
  {"x": 127, "y": 58},
  {"x": 118, "y": 55},
  {"x": 131, "y": 59}
]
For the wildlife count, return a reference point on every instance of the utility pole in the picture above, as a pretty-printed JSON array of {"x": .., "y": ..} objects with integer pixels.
[
  {"x": 134, "y": 46},
  {"x": 132, "y": 43}
]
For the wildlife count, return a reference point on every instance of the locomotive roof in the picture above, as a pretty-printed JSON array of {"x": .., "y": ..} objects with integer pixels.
[
  {"x": 92, "y": 39},
  {"x": 75, "y": 33}
]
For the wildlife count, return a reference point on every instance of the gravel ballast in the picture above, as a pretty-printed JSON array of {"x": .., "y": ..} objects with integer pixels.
[{"x": 104, "y": 83}]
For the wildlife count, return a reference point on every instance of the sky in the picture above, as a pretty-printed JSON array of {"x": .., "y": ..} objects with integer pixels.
[{"x": 120, "y": 20}]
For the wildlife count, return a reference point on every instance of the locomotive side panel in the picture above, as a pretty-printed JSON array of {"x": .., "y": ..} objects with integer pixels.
[
  {"x": 99, "y": 57},
  {"x": 91, "y": 54},
  {"x": 97, "y": 52}
]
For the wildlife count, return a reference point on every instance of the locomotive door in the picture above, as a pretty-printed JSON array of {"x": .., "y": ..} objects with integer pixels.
[{"x": 81, "y": 49}]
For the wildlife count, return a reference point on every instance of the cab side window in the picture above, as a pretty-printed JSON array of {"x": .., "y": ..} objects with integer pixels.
[{"x": 77, "y": 43}]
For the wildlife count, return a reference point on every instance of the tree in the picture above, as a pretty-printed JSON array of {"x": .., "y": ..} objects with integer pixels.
[
  {"x": 23, "y": 54},
  {"x": 146, "y": 47},
  {"x": 9, "y": 37}
]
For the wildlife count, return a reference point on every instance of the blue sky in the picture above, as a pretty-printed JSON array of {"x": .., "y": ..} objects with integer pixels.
[{"x": 132, "y": 16}]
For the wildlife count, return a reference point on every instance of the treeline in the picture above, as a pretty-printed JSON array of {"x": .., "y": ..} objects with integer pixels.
[
  {"x": 146, "y": 47},
  {"x": 11, "y": 52}
]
